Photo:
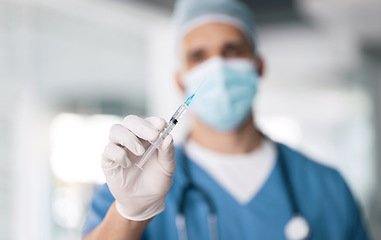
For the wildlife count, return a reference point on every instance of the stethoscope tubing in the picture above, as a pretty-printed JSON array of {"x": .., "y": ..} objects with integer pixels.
[{"x": 212, "y": 216}]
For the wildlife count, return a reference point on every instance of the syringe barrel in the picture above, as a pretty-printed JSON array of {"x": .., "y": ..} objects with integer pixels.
[
  {"x": 163, "y": 134},
  {"x": 173, "y": 121},
  {"x": 167, "y": 130},
  {"x": 179, "y": 112},
  {"x": 148, "y": 153}
]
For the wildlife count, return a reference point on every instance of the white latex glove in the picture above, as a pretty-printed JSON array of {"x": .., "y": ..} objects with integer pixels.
[{"x": 139, "y": 194}]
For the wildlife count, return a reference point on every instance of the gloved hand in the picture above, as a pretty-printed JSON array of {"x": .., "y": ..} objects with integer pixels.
[{"x": 139, "y": 194}]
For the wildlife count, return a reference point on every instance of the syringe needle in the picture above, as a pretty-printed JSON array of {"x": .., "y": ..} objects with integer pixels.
[
  {"x": 163, "y": 134},
  {"x": 167, "y": 130},
  {"x": 199, "y": 86}
]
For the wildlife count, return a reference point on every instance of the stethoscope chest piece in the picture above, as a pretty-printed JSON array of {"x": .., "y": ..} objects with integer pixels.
[{"x": 297, "y": 228}]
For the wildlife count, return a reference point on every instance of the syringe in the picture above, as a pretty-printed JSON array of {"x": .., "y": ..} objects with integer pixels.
[{"x": 164, "y": 133}]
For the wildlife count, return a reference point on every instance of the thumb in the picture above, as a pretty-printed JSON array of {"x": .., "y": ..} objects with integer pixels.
[{"x": 166, "y": 155}]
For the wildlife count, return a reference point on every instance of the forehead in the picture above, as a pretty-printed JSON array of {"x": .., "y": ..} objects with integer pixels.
[{"x": 212, "y": 35}]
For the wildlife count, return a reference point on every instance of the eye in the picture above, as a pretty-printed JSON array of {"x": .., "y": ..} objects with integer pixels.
[
  {"x": 232, "y": 51},
  {"x": 196, "y": 57}
]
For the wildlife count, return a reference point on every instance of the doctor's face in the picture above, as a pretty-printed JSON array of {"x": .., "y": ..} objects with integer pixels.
[{"x": 213, "y": 40}]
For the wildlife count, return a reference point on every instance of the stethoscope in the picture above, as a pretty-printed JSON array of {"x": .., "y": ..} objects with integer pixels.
[{"x": 297, "y": 227}]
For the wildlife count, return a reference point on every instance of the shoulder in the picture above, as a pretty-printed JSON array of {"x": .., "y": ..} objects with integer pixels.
[
  {"x": 325, "y": 189},
  {"x": 179, "y": 178},
  {"x": 179, "y": 149},
  {"x": 301, "y": 165},
  {"x": 316, "y": 183},
  {"x": 102, "y": 200},
  {"x": 102, "y": 195},
  {"x": 180, "y": 157},
  {"x": 100, "y": 203}
]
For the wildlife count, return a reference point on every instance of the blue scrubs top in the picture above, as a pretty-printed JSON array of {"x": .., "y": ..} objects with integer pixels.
[{"x": 323, "y": 198}]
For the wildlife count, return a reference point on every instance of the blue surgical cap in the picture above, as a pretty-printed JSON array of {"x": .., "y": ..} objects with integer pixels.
[{"x": 189, "y": 14}]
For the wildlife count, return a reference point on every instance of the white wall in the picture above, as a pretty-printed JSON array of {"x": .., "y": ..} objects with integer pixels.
[{"x": 53, "y": 54}]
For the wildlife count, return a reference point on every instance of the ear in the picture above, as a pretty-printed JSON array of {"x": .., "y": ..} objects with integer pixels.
[
  {"x": 179, "y": 81},
  {"x": 260, "y": 65}
]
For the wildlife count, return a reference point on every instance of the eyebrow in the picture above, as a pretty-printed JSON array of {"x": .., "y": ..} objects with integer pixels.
[
  {"x": 240, "y": 43},
  {"x": 231, "y": 43},
  {"x": 195, "y": 51},
  {"x": 228, "y": 43}
]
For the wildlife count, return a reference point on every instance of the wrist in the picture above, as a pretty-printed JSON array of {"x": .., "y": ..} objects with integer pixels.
[
  {"x": 144, "y": 215},
  {"x": 132, "y": 224},
  {"x": 115, "y": 226}
]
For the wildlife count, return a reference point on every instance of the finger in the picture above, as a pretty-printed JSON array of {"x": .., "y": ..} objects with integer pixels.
[
  {"x": 156, "y": 122},
  {"x": 140, "y": 128},
  {"x": 166, "y": 143},
  {"x": 113, "y": 156},
  {"x": 122, "y": 136},
  {"x": 166, "y": 155}
]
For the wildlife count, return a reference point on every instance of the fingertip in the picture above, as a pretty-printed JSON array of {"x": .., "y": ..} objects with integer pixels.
[
  {"x": 167, "y": 142},
  {"x": 113, "y": 155},
  {"x": 128, "y": 163},
  {"x": 139, "y": 149},
  {"x": 120, "y": 160},
  {"x": 106, "y": 163},
  {"x": 156, "y": 122},
  {"x": 128, "y": 119},
  {"x": 141, "y": 127}
]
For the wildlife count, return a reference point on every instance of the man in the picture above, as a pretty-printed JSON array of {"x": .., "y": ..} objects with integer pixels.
[{"x": 230, "y": 182}]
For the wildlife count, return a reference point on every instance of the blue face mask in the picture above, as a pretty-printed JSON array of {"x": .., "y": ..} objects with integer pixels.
[{"x": 224, "y": 100}]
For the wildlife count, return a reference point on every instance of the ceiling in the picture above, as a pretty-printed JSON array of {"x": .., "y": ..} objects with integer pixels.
[{"x": 265, "y": 10}]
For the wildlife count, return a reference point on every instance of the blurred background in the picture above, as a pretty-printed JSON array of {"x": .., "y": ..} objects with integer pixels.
[{"x": 69, "y": 69}]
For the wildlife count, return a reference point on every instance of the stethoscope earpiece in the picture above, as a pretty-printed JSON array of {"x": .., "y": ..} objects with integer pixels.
[{"x": 297, "y": 228}]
